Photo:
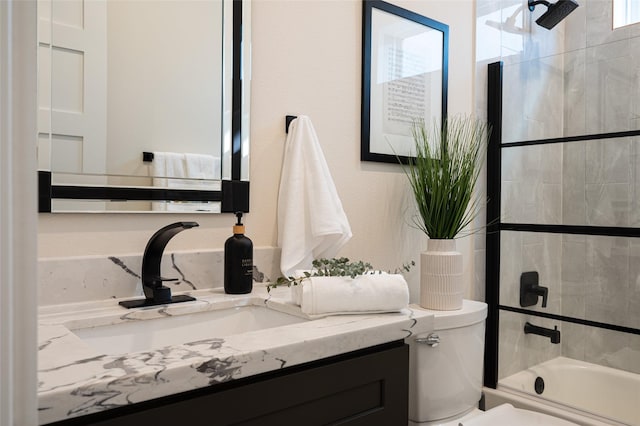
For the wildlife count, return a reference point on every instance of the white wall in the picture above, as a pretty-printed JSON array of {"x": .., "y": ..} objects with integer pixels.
[
  {"x": 306, "y": 60},
  {"x": 166, "y": 97},
  {"x": 18, "y": 289}
]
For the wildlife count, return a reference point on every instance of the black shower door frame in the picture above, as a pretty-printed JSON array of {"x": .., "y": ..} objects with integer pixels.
[{"x": 495, "y": 226}]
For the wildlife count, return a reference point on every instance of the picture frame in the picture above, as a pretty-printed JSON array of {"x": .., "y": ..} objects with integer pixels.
[{"x": 404, "y": 79}]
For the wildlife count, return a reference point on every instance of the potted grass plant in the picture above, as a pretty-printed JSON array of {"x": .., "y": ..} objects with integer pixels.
[{"x": 443, "y": 176}]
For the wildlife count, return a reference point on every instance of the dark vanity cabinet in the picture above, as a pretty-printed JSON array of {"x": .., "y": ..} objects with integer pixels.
[{"x": 368, "y": 387}]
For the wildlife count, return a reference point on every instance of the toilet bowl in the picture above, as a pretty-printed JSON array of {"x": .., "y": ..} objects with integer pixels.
[
  {"x": 445, "y": 380},
  {"x": 502, "y": 415},
  {"x": 507, "y": 414},
  {"x": 455, "y": 422}
]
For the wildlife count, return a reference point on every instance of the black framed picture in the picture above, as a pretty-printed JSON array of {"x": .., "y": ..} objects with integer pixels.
[{"x": 404, "y": 79}]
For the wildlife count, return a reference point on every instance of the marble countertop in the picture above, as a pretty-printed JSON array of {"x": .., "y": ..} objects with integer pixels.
[{"x": 75, "y": 379}]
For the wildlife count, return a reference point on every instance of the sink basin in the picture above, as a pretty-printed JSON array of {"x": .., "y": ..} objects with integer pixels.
[{"x": 157, "y": 333}]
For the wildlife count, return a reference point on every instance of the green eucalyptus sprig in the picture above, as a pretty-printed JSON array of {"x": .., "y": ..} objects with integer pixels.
[{"x": 340, "y": 267}]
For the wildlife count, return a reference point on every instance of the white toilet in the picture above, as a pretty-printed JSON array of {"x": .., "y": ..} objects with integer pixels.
[{"x": 445, "y": 379}]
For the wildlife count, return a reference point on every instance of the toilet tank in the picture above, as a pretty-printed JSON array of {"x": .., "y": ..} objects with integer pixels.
[{"x": 445, "y": 379}]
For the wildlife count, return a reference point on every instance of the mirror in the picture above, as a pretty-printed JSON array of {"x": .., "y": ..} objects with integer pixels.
[{"x": 143, "y": 105}]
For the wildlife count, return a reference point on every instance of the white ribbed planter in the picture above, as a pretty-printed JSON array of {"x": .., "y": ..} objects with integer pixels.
[{"x": 441, "y": 285}]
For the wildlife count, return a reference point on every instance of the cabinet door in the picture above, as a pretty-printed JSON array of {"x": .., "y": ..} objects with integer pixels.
[
  {"x": 368, "y": 390},
  {"x": 365, "y": 388}
]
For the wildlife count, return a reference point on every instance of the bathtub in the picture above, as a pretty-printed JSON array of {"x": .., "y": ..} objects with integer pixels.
[{"x": 577, "y": 391}]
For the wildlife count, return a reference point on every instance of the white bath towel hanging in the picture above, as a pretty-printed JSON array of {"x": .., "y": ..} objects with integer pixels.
[
  {"x": 191, "y": 171},
  {"x": 167, "y": 164},
  {"x": 187, "y": 168},
  {"x": 202, "y": 166},
  {"x": 311, "y": 221}
]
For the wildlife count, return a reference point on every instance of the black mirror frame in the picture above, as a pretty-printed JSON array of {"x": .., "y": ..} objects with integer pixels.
[
  {"x": 368, "y": 5},
  {"x": 234, "y": 193}
]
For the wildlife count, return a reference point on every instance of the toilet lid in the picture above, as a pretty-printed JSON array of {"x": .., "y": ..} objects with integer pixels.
[{"x": 507, "y": 414}]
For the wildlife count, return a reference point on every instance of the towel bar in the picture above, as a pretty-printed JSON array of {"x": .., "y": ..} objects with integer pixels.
[{"x": 147, "y": 157}]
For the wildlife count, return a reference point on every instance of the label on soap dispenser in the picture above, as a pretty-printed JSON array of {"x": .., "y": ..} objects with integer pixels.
[{"x": 247, "y": 263}]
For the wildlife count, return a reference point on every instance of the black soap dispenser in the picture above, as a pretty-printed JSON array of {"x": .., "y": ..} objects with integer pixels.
[{"x": 238, "y": 261}]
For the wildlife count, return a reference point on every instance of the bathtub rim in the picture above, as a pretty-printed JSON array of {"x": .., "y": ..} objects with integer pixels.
[{"x": 501, "y": 395}]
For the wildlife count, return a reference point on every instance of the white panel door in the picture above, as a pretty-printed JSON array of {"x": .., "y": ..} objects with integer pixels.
[{"x": 72, "y": 85}]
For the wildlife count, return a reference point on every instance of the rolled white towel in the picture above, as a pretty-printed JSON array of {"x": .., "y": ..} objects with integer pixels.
[{"x": 371, "y": 293}]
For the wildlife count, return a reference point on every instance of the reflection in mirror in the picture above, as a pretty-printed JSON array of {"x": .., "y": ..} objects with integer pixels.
[{"x": 138, "y": 94}]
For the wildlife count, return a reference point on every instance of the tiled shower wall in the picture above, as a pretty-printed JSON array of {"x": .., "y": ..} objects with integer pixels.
[{"x": 579, "y": 78}]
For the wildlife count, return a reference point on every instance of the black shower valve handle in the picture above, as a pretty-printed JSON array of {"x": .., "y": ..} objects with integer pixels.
[
  {"x": 530, "y": 290},
  {"x": 541, "y": 291}
]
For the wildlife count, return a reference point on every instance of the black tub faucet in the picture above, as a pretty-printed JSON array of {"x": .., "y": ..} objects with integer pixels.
[
  {"x": 155, "y": 292},
  {"x": 553, "y": 335},
  {"x": 530, "y": 290}
]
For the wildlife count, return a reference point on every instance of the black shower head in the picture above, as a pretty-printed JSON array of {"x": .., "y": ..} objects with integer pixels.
[{"x": 555, "y": 13}]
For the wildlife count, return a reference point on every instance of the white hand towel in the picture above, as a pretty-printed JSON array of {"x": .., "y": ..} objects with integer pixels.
[
  {"x": 184, "y": 167},
  {"x": 311, "y": 221},
  {"x": 202, "y": 166},
  {"x": 167, "y": 165},
  {"x": 190, "y": 171},
  {"x": 363, "y": 294}
]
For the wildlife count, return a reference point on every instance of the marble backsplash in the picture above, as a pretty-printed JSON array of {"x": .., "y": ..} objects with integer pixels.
[{"x": 91, "y": 278}]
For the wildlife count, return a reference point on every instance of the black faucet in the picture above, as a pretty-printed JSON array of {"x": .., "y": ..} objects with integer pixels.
[
  {"x": 554, "y": 334},
  {"x": 530, "y": 290},
  {"x": 155, "y": 292}
]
